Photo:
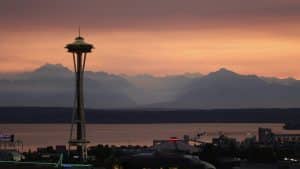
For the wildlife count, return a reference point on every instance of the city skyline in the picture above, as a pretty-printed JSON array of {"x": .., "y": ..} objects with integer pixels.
[{"x": 159, "y": 38}]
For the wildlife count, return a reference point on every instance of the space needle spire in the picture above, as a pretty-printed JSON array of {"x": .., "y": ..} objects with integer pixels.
[
  {"x": 79, "y": 49},
  {"x": 79, "y": 31}
]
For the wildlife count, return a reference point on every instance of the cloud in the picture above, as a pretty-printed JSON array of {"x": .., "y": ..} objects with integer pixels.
[{"x": 144, "y": 14}]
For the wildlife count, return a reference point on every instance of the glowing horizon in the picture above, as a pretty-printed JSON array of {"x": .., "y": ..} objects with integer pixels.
[{"x": 247, "y": 39}]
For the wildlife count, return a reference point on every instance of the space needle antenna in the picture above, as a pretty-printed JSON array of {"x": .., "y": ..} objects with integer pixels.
[{"x": 79, "y": 30}]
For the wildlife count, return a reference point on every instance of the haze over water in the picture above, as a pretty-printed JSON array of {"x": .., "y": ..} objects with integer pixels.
[{"x": 41, "y": 135}]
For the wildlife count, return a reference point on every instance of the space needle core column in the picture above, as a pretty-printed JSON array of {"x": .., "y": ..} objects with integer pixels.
[{"x": 79, "y": 48}]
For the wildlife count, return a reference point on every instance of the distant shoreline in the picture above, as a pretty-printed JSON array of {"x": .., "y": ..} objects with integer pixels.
[{"x": 54, "y": 115}]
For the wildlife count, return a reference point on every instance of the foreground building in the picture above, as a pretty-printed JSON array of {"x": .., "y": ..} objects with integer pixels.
[
  {"x": 158, "y": 160},
  {"x": 266, "y": 136},
  {"x": 172, "y": 153}
]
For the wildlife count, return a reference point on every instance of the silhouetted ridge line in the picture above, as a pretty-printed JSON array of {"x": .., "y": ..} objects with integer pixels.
[
  {"x": 62, "y": 115},
  {"x": 51, "y": 86}
]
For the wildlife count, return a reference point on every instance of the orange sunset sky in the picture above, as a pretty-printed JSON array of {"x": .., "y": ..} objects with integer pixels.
[{"x": 157, "y": 37}]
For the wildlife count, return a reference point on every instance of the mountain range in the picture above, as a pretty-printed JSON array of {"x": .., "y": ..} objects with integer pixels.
[{"x": 52, "y": 85}]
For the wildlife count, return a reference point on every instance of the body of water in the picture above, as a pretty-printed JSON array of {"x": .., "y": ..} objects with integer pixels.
[{"x": 41, "y": 135}]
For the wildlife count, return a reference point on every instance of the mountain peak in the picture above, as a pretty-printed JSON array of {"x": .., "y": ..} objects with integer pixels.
[
  {"x": 52, "y": 68},
  {"x": 223, "y": 72}
]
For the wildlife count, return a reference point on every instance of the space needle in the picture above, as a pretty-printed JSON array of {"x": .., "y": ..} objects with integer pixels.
[{"x": 79, "y": 49}]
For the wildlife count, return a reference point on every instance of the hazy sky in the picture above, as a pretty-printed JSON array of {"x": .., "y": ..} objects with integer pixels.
[{"x": 155, "y": 36}]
